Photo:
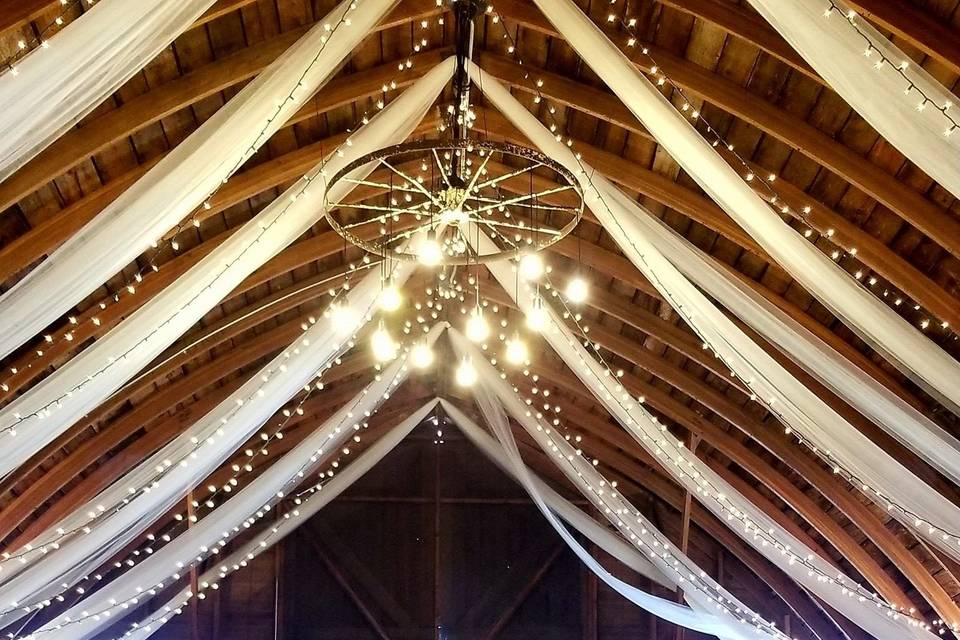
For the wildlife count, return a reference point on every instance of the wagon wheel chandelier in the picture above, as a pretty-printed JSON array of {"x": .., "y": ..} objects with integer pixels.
[{"x": 454, "y": 186}]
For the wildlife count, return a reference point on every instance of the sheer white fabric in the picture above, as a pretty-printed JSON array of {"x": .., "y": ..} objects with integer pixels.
[
  {"x": 875, "y": 401},
  {"x": 493, "y": 396},
  {"x": 891, "y": 335},
  {"x": 85, "y": 381},
  {"x": 310, "y": 506},
  {"x": 292, "y": 519},
  {"x": 57, "y": 84},
  {"x": 721, "y": 498},
  {"x": 610, "y": 542},
  {"x": 796, "y": 405},
  {"x": 183, "y": 178},
  {"x": 211, "y": 534},
  {"x": 55, "y": 560},
  {"x": 894, "y": 105}
]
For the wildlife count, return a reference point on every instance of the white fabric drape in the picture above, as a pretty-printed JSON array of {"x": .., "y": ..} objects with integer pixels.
[
  {"x": 56, "y": 85},
  {"x": 91, "y": 376},
  {"x": 875, "y": 401},
  {"x": 795, "y": 405},
  {"x": 602, "y": 537},
  {"x": 211, "y": 534},
  {"x": 184, "y": 177},
  {"x": 902, "y": 344},
  {"x": 605, "y": 539},
  {"x": 493, "y": 395},
  {"x": 292, "y": 519},
  {"x": 887, "y": 100},
  {"x": 721, "y": 498},
  {"x": 42, "y": 572}
]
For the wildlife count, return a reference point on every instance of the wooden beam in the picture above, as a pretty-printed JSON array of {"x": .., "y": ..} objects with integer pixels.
[
  {"x": 16, "y": 13},
  {"x": 523, "y": 591},
  {"x": 747, "y": 25}
]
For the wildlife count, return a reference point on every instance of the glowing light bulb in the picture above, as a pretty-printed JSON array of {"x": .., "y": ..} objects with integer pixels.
[
  {"x": 384, "y": 348},
  {"x": 344, "y": 318},
  {"x": 537, "y": 316},
  {"x": 517, "y": 352},
  {"x": 421, "y": 355},
  {"x": 577, "y": 290},
  {"x": 429, "y": 253},
  {"x": 531, "y": 266},
  {"x": 466, "y": 374},
  {"x": 477, "y": 328},
  {"x": 453, "y": 215},
  {"x": 390, "y": 298}
]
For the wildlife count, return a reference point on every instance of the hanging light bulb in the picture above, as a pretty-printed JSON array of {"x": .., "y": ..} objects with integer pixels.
[
  {"x": 577, "y": 290},
  {"x": 453, "y": 215},
  {"x": 477, "y": 328},
  {"x": 537, "y": 316},
  {"x": 517, "y": 352},
  {"x": 466, "y": 374},
  {"x": 421, "y": 355},
  {"x": 531, "y": 266},
  {"x": 384, "y": 348},
  {"x": 390, "y": 298},
  {"x": 343, "y": 317},
  {"x": 429, "y": 253}
]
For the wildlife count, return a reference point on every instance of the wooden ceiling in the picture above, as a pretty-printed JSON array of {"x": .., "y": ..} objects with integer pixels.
[{"x": 747, "y": 82}]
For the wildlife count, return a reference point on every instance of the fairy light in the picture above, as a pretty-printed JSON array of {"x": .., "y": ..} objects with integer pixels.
[
  {"x": 152, "y": 542},
  {"x": 296, "y": 503},
  {"x": 198, "y": 442},
  {"x": 162, "y": 469},
  {"x": 191, "y": 454},
  {"x": 677, "y": 458},
  {"x": 46, "y": 410},
  {"x": 605, "y": 497},
  {"x": 905, "y": 513},
  {"x": 131, "y": 284},
  {"x": 40, "y": 39},
  {"x": 765, "y": 186},
  {"x": 225, "y": 536},
  {"x": 900, "y": 67}
]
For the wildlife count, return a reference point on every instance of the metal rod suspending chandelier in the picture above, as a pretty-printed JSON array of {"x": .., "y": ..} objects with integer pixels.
[{"x": 454, "y": 185}]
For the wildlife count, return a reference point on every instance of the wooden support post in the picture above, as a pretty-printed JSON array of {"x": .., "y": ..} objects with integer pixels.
[
  {"x": 694, "y": 442},
  {"x": 278, "y": 586},
  {"x": 194, "y": 580},
  {"x": 590, "y": 617},
  {"x": 436, "y": 544}
]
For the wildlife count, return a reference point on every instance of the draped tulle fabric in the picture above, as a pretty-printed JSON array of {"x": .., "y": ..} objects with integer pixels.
[
  {"x": 901, "y": 343},
  {"x": 184, "y": 178},
  {"x": 795, "y": 405},
  {"x": 863, "y": 392},
  {"x": 86, "y": 380},
  {"x": 210, "y": 534},
  {"x": 847, "y": 57},
  {"x": 59, "y": 83},
  {"x": 309, "y": 507},
  {"x": 41, "y": 573},
  {"x": 706, "y": 485},
  {"x": 494, "y": 396},
  {"x": 603, "y": 538}
]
